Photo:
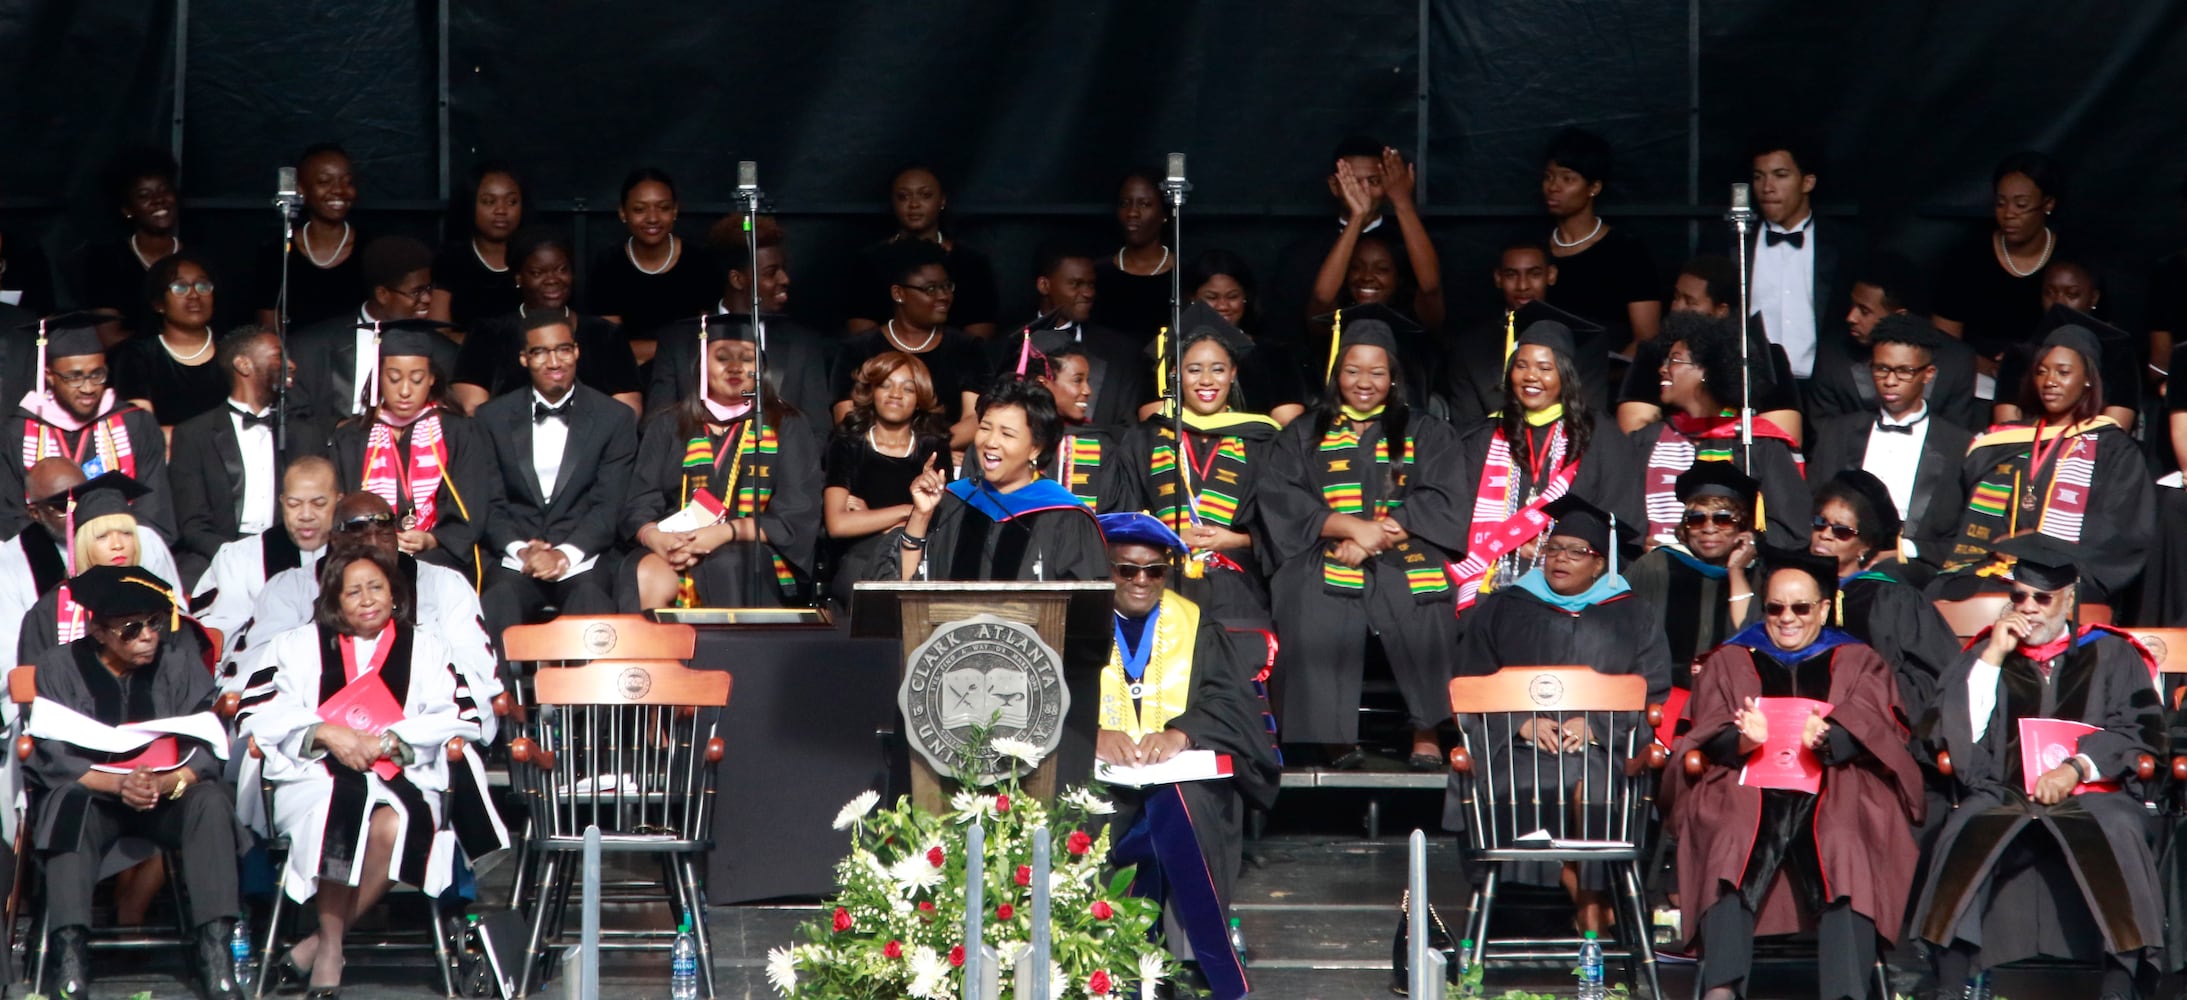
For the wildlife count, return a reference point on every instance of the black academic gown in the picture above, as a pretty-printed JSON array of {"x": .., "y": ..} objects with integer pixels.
[
  {"x": 1691, "y": 605},
  {"x": 1322, "y": 661},
  {"x": 790, "y": 517},
  {"x": 1063, "y": 543},
  {"x": 2118, "y": 526},
  {"x": 470, "y": 486},
  {"x": 1904, "y": 628},
  {"x": 1099, "y": 476},
  {"x": 2073, "y": 880},
  {"x": 147, "y": 444},
  {"x": 1608, "y": 477},
  {"x": 1234, "y": 589}
]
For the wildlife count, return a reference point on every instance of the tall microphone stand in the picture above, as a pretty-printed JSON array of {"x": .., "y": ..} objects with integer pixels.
[
  {"x": 1741, "y": 217},
  {"x": 1174, "y": 189},
  {"x": 752, "y": 200},
  {"x": 288, "y": 205}
]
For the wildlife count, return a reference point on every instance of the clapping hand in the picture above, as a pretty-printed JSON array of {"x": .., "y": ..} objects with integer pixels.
[
  {"x": 1814, "y": 731},
  {"x": 1753, "y": 726},
  {"x": 1357, "y": 201},
  {"x": 1397, "y": 177}
]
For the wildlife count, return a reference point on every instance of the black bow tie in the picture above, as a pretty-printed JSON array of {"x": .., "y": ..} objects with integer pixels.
[
  {"x": 1895, "y": 428},
  {"x": 251, "y": 420},
  {"x": 541, "y": 412},
  {"x": 1798, "y": 238}
]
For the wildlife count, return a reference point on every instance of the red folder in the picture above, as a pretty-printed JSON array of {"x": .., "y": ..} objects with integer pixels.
[
  {"x": 1782, "y": 762},
  {"x": 159, "y": 755},
  {"x": 2046, "y": 743},
  {"x": 1674, "y": 708},
  {"x": 366, "y": 705}
]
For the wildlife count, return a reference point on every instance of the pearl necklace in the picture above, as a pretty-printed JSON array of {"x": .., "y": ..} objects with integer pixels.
[
  {"x": 1556, "y": 238},
  {"x": 305, "y": 242},
  {"x": 910, "y": 444},
  {"x": 140, "y": 254},
  {"x": 2050, "y": 242},
  {"x": 503, "y": 269},
  {"x": 185, "y": 358},
  {"x": 1157, "y": 267},
  {"x": 630, "y": 250},
  {"x": 923, "y": 345}
]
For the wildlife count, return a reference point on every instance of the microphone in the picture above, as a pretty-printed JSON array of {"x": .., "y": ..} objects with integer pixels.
[
  {"x": 1742, "y": 204},
  {"x": 747, "y": 177},
  {"x": 1173, "y": 181},
  {"x": 285, "y": 196}
]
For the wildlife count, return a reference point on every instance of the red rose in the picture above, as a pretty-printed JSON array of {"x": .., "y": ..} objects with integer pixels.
[
  {"x": 926, "y": 906},
  {"x": 934, "y": 855},
  {"x": 956, "y": 955},
  {"x": 893, "y": 949},
  {"x": 1004, "y": 912},
  {"x": 1078, "y": 843},
  {"x": 1002, "y": 803},
  {"x": 842, "y": 920},
  {"x": 1102, "y": 910},
  {"x": 1025, "y": 874},
  {"x": 1098, "y": 983}
]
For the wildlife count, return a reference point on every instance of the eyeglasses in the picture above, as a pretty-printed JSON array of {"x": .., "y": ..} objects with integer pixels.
[
  {"x": 367, "y": 522},
  {"x": 80, "y": 380},
  {"x": 131, "y": 629},
  {"x": 2042, "y": 598},
  {"x": 418, "y": 294},
  {"x": 200, "y": 286},
  {"x": 1133, "y": 571},
  {"x": 1675, "y": 361},
  {"x": 561, "y": 351},
  {"x": 1566, "y": 551},
  {"x": 1719, "y": 518},
  {"x": 1838, "y": 531},
  {"x": 1799, "y": 609},
  {"x": 1898, "y": 373},
  {"x": 937, "y": 288}
]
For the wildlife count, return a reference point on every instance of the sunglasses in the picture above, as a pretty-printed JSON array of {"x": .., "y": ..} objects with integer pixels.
[
  {"x": 2042, "y": 598},
  {"x": 1720, "y": 518},
  {"x": 366, "y": 522},
  {"x": 130, "y": 630},
  {"x": 1838, "y": 531},
  {"x": 1133, "y": 571},
  {"x": 1800, "y": 609}
]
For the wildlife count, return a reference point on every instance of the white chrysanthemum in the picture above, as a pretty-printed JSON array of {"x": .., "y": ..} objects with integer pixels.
[
  {"x": 856, "y": 809},
  {"x": 1059, "y": 985},
  {"x": 929, "y": 974},
  {"x": 1020, "y": 749},
  {"x": 969, "y": 806},
  {"x": 1084, "y": 798},
  {"x": 1150, "y": 966},
  {"x": 1007, "y": 951},
  {"x": 782, "y": 970},
  {"x": 913, "y": 875}
]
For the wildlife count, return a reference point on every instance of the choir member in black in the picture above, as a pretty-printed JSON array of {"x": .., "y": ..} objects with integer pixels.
[
  {"x": 1266, "y": 378},
  {"x": 73, "y": 414},
  {"x": 894, "y": 429},
  {"x": 1545, "y": 442},
  {"x": 2072, "y": 475},
  {"x": 2069, "y": 302},
  {"x": 1173, "y": 681},
  {"x": 1364, "y": 507},
  {"x": 1702, "y": 582},
  {"x": 760, "y": 470},
  {"x": 1883, "y": 295},
  {"x": 1856, "y": 525},
  {"x": 141, "y": 185},
  {"x": 564, "y": 453},
  {"x": 1989, "y": 292},
  {"x": 798, "y": 358},
  {"x": 1134, "y": 283},
  {"x": 1603, "y": 272},
  {"x": 138, "y": 661},
  {"x": 472, "y": 278},
  {"x": 1571, "y": 607},
  {"x": 2167, "y": 309},
  {"x": 1699, "y": 380},
  {"x": 1115, "y": 368},
  {"x": 1473, "y": 363},
  {"x": 324, "y": 272},
  {"x": 2056, "y": 863},
  {"x": 1799, "y": 266},
  {"x": 336, "y": 358},
  {"x": 170, "y": 371},
  {"x": 1361, "y": 269},
  {"x": 1208, "y": 490},
  {"x": 917, "y": 199},
  {"x": 1709, "y": 286},
  {"x": 359, "y": 809},
  {"x": 653, "y": 278},
  {"x": 923, "y": 294},
  {"x": 1086, "y": 459},
  {"x": 489, "y": 362},
  {"x": 428, "y": 462},
  {"x": 1007, "y": 522},
  {"x": 226, "y": 596},
  {"x": 1285, "y": 315},
  {"x": 226, "y": 467},
  {"x": 26, "y": 279},
  {"x": 1846, "y": 852},
  {"x": 1907, "y": 443}
]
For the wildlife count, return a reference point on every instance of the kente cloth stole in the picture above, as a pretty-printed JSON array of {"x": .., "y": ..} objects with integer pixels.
[
  {"x": 1500, "y": 523},
  {"x": 2015, "y": 496},
  {"x": 105, "y": 447},
  {"x": 1078, "y": 457},
  {"x": 1343, "y": 493},
  {"x": 746, "y": 494}
]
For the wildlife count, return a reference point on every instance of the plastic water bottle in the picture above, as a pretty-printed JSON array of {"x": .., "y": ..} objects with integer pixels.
[
  {"x": 683, "y": 965},
  {"x": 1237, "y": 940},
  {"x": 1465, "y": 967},
  {"x": 1590, "y": 969},
  {"x": 239, "y": 949},
  {"x": 1978, "y": 987}
]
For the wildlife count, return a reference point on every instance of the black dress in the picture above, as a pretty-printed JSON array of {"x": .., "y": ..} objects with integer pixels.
[
  {"x": 646, "y": 302},
  {"x": 26, "y": 278},
  {"x": 1137, "y": 304},
  {"x": 955, "y": 363},
  {"x": 111, "y": 277},
  {"x": 315, "y": 293},
  {"x": 1599, "y": 282},
  {"x": 143, "y": 369},
  {"x": 1996, "y": 309},
  {"x": 475, "y": 291},
  {"x": 976, "y": 300},
  {"x": 488, "y": 358},
  {"x": 880, "y": 481}
]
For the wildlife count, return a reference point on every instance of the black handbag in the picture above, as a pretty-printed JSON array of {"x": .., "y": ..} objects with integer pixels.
[{"x": 1400, "y": 950}]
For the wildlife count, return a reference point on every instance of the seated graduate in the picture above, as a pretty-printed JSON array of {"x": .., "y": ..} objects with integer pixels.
[
  {"x": 894, "y": 428},
  {"x": 138, "y": 660},
  {"x": 490, "y": 361},
  {"x": 360, "y": 808},
  {"x": 337, "y": 359},
  {"x": 1855, "y": 525},
  {"x": 1700, "y": 383},
  {"x": 1085, "y": 459},
  {"x": 1570, "y": 608},
  {"x": 227, "y": 595},
  {"x": 563, "y": 452},
  {"x": 2071, "y": 292},
  {"x": 1844, "y": 853},
  {"x": 759, "y": 469},
  {"x": 72, "y": 413},
  {"x": 1364, "y": 509},
  {"x": 1709, "y": 286},
  {"x": 1063, "y": 279},
  {"x": 1008, "y": 522},
  {"x": 1208, "y": 488},
  {"x": 38, "y": 559},
  {"x": 1174, "y": 682},
  {"x": 1702, "y": 584},
  {"x": 1545, "y": 441},
  {"x": 225, "y": 468},
  {"x": 1907, "y": 444},
  {"x": 106, "y": 534},
  {"x": 2064, "y": 870},
  {"x": 2072, "y": 474},
  {"x": 428, "y": 462},
  {"x": 1884, "y": 288}
]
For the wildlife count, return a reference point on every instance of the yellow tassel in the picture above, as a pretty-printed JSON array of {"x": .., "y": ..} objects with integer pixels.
[
  {"x": 1511, "y": 334},
  {"x": 1161, "y": 366},
  {"x": 1336, "y": 336}
]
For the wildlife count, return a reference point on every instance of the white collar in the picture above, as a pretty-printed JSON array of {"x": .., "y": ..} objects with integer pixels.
[
  {"x": 566, "y": 397},
  {"x": 1807, "y": 224},
  {"x": 236, "y": 407},
  {"x": 1371, "y": 226},
  {"x": 1911, "y": 420}
]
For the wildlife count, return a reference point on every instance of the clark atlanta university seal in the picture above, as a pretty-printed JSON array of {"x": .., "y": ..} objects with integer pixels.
[{"x": 982, "y": 671}]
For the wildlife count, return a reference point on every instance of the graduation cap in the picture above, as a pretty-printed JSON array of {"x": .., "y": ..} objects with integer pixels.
[
  {"x": 1139, "y": 528},
  {"x": 111, "y": 592},
  {"x": 401, "y": 338},
  {"x": 2040, "y": 561},
  {"x": 1864, "y": 484},
  {"x": 1823, "y": 569},
  {"x": 1717, "y": 479},
  {"x": 2106, "y": 348},
  {"x": 1600, "y": 529},
  {"x": 101, "y": 495},
  {"x": 68, "y": 335},
  {"x": 1373, "y": 324},
  {"x": 1538, "y": 322}
]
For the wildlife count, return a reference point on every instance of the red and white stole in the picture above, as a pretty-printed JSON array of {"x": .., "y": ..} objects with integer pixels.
[
  {"x": 391, "y": 479},
  {"x": 105, "y": 449},
  {"x": 1498, "y": 529},
  {"x": 69, "y": 618},
  {"x": 1686, "y": 440}
]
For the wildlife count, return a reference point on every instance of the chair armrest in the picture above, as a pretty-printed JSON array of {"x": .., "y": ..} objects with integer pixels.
[
  {"x": 523, "y": 750},
  {"x": 1694, "y": 762},
  {"x": 2145, "y": 766},
  {"x": 227, "y": 705},
  {"x": 1651, "y": 759},
  {"x": 1461, "y": 761},
  {"x": 23, "y": 746},
  {"x": 1655, "y": 716},
  {"x": 455, "y": 748},
  {"x": 1944, "y": 763},
  {"x": 2179, "y": 769},
  {"x": 509, "y": 708},
  {"x": 715, "y": 747}
]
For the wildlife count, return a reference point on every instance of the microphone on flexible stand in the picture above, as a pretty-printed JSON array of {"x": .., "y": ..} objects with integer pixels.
[
  {"x": 289, "y": 201},
  {"x": 750, "y": 197},
  {"x": 1741, "y": 217},
  {"x": 1174, "y": 189}
]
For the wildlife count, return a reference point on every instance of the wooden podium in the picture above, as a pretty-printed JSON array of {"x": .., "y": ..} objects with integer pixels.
[{"x": 1074, "y": 618}]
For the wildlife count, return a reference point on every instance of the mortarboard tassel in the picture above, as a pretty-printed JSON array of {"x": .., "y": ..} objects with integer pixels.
[{"x": 1336, "y": 336}]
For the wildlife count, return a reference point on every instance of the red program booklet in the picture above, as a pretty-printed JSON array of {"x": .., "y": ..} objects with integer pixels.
[
  {"x": 366, "y": 706},
  {"x": 160, "y": 755},
  {"x": 1782, "y": 762},
  {"x": 2046, "y": 743}
]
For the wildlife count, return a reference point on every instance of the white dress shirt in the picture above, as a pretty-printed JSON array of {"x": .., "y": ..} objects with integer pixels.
[
  {"x": 1784, "y": 293},
  {"x": 549, "y": 439},
  {"x": 260, "y": 470},
  {"x": 1982, "y": 703},
  {"x": 1893, "y": 457}
]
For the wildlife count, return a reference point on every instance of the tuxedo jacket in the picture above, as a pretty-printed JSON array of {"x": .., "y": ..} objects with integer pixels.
[
  {"x": 593, "y": 480},
  {"x": 325, "y": 354},
  {"x": 1841, "y": 442},
  {"x": 1841, "y": 383},
  {"x": 1840, "y": 249},
  {"x": 206, "y": 469}
]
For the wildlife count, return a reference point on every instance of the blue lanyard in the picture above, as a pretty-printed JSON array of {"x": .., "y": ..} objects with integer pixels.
[{"x": 1135, "y": 660}]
